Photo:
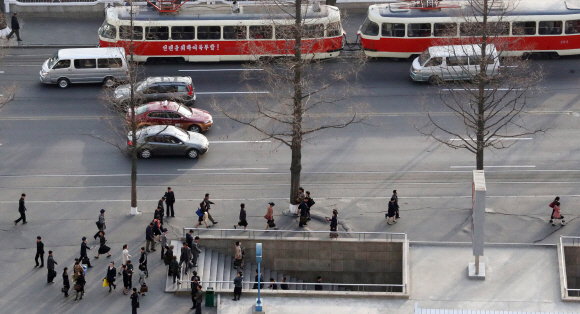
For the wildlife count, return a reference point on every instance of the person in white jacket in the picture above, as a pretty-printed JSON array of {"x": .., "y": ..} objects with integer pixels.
[{"x": 126, "y": 255}]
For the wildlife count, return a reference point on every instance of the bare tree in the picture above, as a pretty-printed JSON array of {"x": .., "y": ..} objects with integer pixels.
[
  {"x": 490, "y": 101},
  {"x": 301, "y": 91}
]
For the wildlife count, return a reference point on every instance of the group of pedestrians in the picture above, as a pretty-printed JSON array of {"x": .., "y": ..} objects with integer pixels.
[{"x": 393, "y": 210}]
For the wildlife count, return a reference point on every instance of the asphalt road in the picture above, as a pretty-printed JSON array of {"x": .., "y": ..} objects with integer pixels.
[{"x": 48, "y": 153}]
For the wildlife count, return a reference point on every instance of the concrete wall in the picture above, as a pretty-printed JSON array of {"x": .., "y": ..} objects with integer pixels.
[{"x": 337, "y": 261}]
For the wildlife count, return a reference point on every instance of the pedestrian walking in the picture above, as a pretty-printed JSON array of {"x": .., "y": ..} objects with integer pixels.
[
  {"x": 189, "y": 238},
  {"x": 168, "y": 256},
  {"x": 111, "y": 275},
  {"x": 270, "y": 217},
  {"x": 174, "y": 268},
  {"x": 50, "y": 263},
  {"x": 15, "y": 28},
  {"x": 84, "y": 256},
  {"x": 558, "y": 214},
  {"x": 103, "y": 248},
  {"x": 195, "y": 250},
  {"x": 238, "y": 286},
  {"x": 199, "y": 299},
  {"x": 158, "y": 214},
  {"x": 76, "y": 268},
  {"x": 299, "y": 198},
  {"x": 202, "y": 214},
  {"x": 185, "y": 257},
  {"x": 318, "y": 287},
  {"x": 273, "y": 284},
  {"x": 284, "y": 285},
  {"x": 163, "y": 242},
  {"x": 333, "y": 224},
  {"x": 143, "y": 261},
  {"x": 194, "y": 285},
  {"x": 134, "y": 301},
  {"x": 157, "y": 229},
  {"x": 239, "y": 256},
  {"x": 100, "y": 224},
  {"x": 125, "y": 257},
  {"x": 169, "y": 201},
  {"x": 126, "y": 279},
  {"x": 310, "y": 203},
  {"x": 21, "y": 209},
  {"x": 396, "y": 204},
  {"x": 260, "y": 280},
  {"x": 207, "y": 203},
  {"x": 65, "y": 282},
  {"x": 557, "y": 199},
  {"x": 160, "y": 205},
  {"x": 80, "y": 285},
  {"x": 150, "y": 238},
  {"x": 303, "y": 208},
  {"x": 392, "y": 211},
  {"x": 142, "y": 276},
  {"x": 39, "y": 252},
  {"x": 242, "y": 218}
]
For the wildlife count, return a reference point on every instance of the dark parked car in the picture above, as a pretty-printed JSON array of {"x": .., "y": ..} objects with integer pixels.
[
  {"x": 162, "y": 140},
  {"x": 172, "y": 113},
  {"x": 178, "y": 88}
]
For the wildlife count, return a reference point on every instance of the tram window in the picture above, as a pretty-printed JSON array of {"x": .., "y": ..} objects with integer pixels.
[
  {"x": 125, "y": 32},
  {"x": 524, "y": 28},
  {"x": 157, "y": 33},
  {"x": 457, "y": 61},
  {"x": 333, "y": 29},
  {"x": 313, "y": 31},
  {"x": 444, "y": 29},
  {"x": 108, "y": 31},
  {"x": 110, "y": 63},
  {"x": 370, "y": 28},
  {"x": 285, "y": 31},
  {"x": 393, "y": 30},
  {"x": 573, "y": 27},
  {"x": 85, "y": 63},
  {"x": 551, "y": 27},
  {"x": 419, "y": 30},
  {"x": 477, "y": 29},
  {"x": 261, "y": 32},
  {"x": 209, "y": 32},
  {"x": 182, "y": 32},
  {"x": 235, "y": 32}
]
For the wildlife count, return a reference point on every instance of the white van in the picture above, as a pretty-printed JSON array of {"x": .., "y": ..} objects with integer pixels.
[
  {"x": 449, "y": 63},
  {"x": 85, "y": 65}
]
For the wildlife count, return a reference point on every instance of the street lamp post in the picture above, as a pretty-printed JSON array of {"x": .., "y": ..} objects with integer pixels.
[{"x": 259, "y": 260}]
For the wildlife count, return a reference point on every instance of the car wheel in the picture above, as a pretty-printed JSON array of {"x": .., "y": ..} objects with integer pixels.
[
  {"x": 192, "y": 153},
  {"x": 434, "y": 80},
  {"x": 145, "y": 153},
  {"x": 194, "y": 128},
  {"x": 63, "y": 83},
  {"x": 109, "y": 82}
]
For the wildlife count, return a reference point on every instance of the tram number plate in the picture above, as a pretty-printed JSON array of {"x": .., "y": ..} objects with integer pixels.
[{"x": 563, "y": 42}]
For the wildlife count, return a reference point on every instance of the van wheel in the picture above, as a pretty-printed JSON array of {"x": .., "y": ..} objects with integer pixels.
[
  {"x": 63, "y": 83},
  {"x": 109, "y": 82},
  {"x": 434, "y": 80},
  {"x": 192, "y": 153},
  {"x": 194, "y": 128}
]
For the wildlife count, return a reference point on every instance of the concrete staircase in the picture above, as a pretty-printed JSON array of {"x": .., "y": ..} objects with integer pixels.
[{"x": 214, "y": 266}]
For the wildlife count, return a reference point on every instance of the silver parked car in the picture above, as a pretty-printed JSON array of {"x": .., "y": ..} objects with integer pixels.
[
  {"x": 175, "y": 88},
  {"x": 161, "y": 140}
]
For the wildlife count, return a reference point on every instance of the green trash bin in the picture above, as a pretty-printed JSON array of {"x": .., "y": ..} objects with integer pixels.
[{"x": 209, "y": 297}]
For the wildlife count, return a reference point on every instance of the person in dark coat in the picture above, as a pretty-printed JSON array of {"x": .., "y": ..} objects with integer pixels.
[
  {"x": 160, "y": 205},
  {"x": 15, "y": 28},
  {"x": 111, "y": 276},
  {"x": 168, "y": 256},
  {"x": 185, "y": 257},
  {"x": 143, "y": 261},
  {"x": 256, "y": 280},
  {"x": 149, "y": 237},
  {"x": 21, "y": 208},
  {"x": 50, "y": 263},
  {"x": 207, "y": 204},
  {"x": 174, "y": 268},
  {"x": 81, "y": 282},
  {"x": 392, "y": 211},
  {"x": 303, "y": 207},
  {"x": 318, "y": 287},
  {"x": 169, "y": 201},
  {"x": 194, "y": 285},
  {"x": 39, "y": 252},
  {"x": 284, "y": 285},
  {"x": 238, "y": 286},
  {"x": 101, "y": 224},
  {"x": 126, "y": 280},
  {"x": 189, "y": 238},
  {"x": 310, "y": 202},
  {"x": 65, "y": 282},
  {"x": 158, "y": 214},
  {"x": 199, "y": 299},
  {"x": 195, "y": 250},
  {"x": 243, "y": 222},
  {"x": 134, "y": 301},
  {"x": 396, "y": 204},
  {"x": 103, "y": 248},
  {"x": 84, "y": 257},
  {"x": 334, "y": 224}
]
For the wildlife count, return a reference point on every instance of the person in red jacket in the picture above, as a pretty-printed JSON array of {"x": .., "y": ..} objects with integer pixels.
[
  {"x": 557, "y": 199},
  {"x": 558, "y": 214}
]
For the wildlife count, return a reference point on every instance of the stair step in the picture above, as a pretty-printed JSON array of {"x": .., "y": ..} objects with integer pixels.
[
  {"x": 214, "y": 268},
  {"x": 248, "y": 275},
  {"x": 227, "y": 275},
  {"x": 200, "y": 262},
  {"x": 299, "y": 287},
  {"x": 292, "y": 287},
  {"x": 206, "y": 267}
]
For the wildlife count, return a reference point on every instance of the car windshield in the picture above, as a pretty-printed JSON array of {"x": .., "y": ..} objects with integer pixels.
[
  {"x": 52, "y": 61},
  {"x": 424, "y": 57},
  {"x": 141, "y": 109},
  {"x": 185, "y": 111},
  {"x": 141, "y": 85},
  {"x": 181, "y": 134}
]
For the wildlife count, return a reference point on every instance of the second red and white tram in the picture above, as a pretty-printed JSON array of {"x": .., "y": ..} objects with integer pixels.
[
  {"x": 399, "y": 30},
  {"x": 198, "y": 33}
]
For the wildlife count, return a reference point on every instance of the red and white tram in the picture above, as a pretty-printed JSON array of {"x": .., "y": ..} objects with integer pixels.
[
  {"x": 399, "y": 30},
  {"x": 215, "y": 33}
]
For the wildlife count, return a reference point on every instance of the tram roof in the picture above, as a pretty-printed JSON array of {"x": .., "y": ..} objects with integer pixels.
[
  {"x": 517, "y": 8},
  {"x": 224, "y": 12}
]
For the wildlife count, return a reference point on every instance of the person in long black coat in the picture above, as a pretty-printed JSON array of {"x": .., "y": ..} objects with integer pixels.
[
  {"x": 81, "y": 282},
  {"x": 392, "y": 211},
  {"x": 103, "y": 248},
  {"x": 334, "y": 224},
  {"x": 111, "y": 276},
  {"x": 65, "y": 282},
  {"x": 134, "y": 301},
  {"x": 84, "y": 257},
  {"x": 21, "y": 207}
]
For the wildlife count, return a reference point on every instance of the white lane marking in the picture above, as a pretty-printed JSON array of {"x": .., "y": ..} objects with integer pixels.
[
  {"x": 217, "y": 70},
  {"x": 531, "y": 166},
  {"x": 1, "y": 72},
  {"x": 24, "y": 65},
  {"x": 495, "y": 138},
  {"x": 486, "y": 89},
  {"x": 220, "y": 169},
  {"x": 219, "y": 142},
  {"x": 216, "y": 93}
]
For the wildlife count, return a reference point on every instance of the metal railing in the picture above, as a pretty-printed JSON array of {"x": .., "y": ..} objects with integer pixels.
[
  {"x": 310, "y": 286},
  {"x": 304, "y": 234},
  {"x": 570, "y": 241}
]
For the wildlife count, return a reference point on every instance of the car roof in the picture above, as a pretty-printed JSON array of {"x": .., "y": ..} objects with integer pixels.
[
  {"x": 168, "y": 79},
  {"x": 459, "y": 50},
  {"x": 164, "y": 105},
  {"x": 76, "y": 53},
  {"x": 159, "y": 130}
]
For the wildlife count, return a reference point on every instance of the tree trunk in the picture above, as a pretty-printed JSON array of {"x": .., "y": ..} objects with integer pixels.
[
  {"x": 296, "y": 163},
  {"x": 132, "y": 82},
  {"x": 481, "y": 85}
]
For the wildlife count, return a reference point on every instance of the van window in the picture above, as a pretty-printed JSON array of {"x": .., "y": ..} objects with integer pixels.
[
  {"x": 573, "y": 27},
  {"x": 370, "y": 28},
  {"x": 85, "y": 63},
  {"x": 157, "y": 33},
  {"x": 110, "y": 63},
  {"x": 313, "y": 31},
  {"x": 235, "y": 32},
  {"x": 182, "y": 32},
  {"x": 393, "y": 30},
  {"x": 209, "y": 32},
  {"x": 125, "y": 32},
  {"x": 433, "y": 62},
  {"x": 333, "y": 29},
  {"x": 457, "y": 61},
  {"x": 284, "y": 31},
  {"x": 475, "y": 60},
  {"x": 108, "y": 31},
  {"x": 444, "y": 29},
  {"x": 62, "y": 64},
  {"x": 551, "y": 27},
  {"x": 419, "y": 30},
  {"x": 524, "y": 28},
  {"x": 261, "y": 32}
]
